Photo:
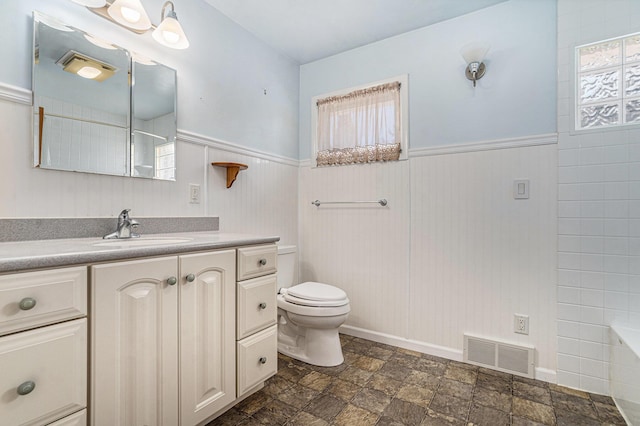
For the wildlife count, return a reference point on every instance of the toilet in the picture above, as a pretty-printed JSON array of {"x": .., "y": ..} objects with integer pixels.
[{"x": 309, "y": 315}]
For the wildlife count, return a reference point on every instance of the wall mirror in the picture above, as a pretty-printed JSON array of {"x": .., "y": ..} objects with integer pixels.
[{"x": 99, "y": 108}]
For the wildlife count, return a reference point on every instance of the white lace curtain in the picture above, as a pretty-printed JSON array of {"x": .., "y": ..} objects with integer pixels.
[{"x": 362, "y": 126}]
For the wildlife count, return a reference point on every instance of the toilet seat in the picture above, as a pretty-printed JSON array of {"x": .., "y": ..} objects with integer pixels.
[
  {"x": 312, "y": 311},
  {"x": 315, "y": 294}
]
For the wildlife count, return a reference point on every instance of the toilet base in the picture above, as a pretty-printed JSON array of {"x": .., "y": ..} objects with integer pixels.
[{"x": 319, "y": 347}]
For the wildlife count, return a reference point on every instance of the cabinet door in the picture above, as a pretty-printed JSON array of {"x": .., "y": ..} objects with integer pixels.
[
  {"x": 134, "y": 343},
  {"x": 207, "y": 334}
]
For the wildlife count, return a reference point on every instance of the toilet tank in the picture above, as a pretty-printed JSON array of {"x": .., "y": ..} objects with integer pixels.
[{"x": 286, "y": 266}]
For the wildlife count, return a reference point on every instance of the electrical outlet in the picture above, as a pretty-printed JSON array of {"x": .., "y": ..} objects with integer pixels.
[
  {"x": 521, "y": 324},
  {"x": 194, "y": 193}
]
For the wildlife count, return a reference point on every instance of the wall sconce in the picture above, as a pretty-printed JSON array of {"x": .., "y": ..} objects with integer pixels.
[
  {"x": 473, "y": 55},
  {"x": 131, "y": 15}
]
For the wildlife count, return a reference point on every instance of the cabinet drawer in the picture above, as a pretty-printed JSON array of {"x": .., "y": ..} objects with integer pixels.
[
  {"x": 257, "y": 358},
  {"x": 256, "y": 305},
  {"x": 32, "y": 299},
  {"x": 256, "y": 261},
  {"x": 54, "y": 359},
  {"x": 76, "y": 419}
]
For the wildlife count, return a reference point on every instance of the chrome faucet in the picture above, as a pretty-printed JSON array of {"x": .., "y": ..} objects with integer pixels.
[{"x": 125, "y": 226}]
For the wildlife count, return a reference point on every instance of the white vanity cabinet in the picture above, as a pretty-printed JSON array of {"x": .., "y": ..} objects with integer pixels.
[
  {"x": 257, "y": 346},
  {"x": 163, "y": 339},
  {"x": 43, "y": 348}
]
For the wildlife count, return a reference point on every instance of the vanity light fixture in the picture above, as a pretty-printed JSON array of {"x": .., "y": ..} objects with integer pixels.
[
  {"x": 85, "y": 66},
  {"x": 169, "y": 33},
  {"x": 473, "y": 55},
  {"x": 131, "y": 15}
]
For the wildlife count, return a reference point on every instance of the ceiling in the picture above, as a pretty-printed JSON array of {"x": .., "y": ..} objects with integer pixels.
[{"x": 308, "y": 30}]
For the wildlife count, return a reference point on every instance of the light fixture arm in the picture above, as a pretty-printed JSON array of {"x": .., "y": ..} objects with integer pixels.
[
  {"x": 172, "y": 12},
  {"x": 475, "y": 71}
]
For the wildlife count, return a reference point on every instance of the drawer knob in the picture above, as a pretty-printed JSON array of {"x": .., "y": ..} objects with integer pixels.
[
  {"x": 27, "y": 303},
  {"x": 26, "y": 388},
  {"x": 262, "y": 262},
  {"x": 172, "y": 280},
  {"x": 262, "y": 305},
  {"x": 191, "y": 278},
  {"x": 263, "y": 360}
]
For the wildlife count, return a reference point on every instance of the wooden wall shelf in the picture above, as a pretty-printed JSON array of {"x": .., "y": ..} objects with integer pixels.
[{"x": 232, "y": 170}]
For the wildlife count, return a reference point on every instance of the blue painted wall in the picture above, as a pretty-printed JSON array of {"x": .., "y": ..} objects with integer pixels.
[
  {"x": 221, "y": 77},
  {"x": 517, "y": 96}
]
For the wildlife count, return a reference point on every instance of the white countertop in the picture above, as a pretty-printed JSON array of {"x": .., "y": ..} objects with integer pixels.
[{"x": 24, "y": 255}]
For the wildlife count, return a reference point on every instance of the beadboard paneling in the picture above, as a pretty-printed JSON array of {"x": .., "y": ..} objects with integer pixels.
[
  {"x": 478, "y": 256},
  {"x": 363, "y": 249},
  {"x": 262, "y": 200},
  {"x": 453, "y": 252}
]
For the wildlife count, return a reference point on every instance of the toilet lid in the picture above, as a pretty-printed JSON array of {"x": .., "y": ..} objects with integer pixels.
[{"x": 316, "y": 294}]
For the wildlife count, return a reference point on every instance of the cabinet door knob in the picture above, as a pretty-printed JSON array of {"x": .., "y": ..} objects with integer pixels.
[
  {"x": 262, "y": 262},
  {"x": 191, "y": 278},
  {"x": 172, "y": 280},
  {"x": 26, "y": 388},
  {"x": 27, "y": 303},
  {"x": 263, "y": 360},
  {"x": 262, "y": 305}
]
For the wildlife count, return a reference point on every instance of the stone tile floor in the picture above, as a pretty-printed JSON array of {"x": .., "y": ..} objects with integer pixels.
[{"x": 383, "y": 385}]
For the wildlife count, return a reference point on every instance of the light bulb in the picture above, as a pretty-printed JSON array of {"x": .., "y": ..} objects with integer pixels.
[
  {"x": 170, "y": 37},
  {"x": 130, "y": 15},
  {"x": 89, "y": 72}
]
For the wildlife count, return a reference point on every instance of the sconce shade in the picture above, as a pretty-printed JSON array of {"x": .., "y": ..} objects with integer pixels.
[
  {"x": 170, "y": 33},
  {"x": 91, "y": 3},
  {"x": 130, "y": 13}
]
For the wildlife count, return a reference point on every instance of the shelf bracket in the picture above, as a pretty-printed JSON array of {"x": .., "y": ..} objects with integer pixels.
[{"x": 232, "y": 170}]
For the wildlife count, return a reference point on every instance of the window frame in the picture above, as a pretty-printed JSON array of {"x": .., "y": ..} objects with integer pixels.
[
  {"x": 574, "y": 82},
  {"x": 404, "y": 115}
]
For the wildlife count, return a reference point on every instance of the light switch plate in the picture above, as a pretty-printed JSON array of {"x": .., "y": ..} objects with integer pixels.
[
  {"x": 521, "y": 189},
  {"x": 194, "y": 193}
]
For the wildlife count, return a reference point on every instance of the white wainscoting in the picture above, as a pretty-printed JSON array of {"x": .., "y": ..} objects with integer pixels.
[
  {"x": 478, "y": 256},
  {"x": 262, "y": 201},
  {"x": 363, "y": 249},
  {"x": 453, "y": 252}
]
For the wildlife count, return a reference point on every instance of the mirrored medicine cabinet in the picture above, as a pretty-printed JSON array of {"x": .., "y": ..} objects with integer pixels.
[{"x": 99, "y": 108}]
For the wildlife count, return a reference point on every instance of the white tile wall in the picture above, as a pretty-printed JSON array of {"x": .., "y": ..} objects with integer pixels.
[{"x": 598, "y": 203}]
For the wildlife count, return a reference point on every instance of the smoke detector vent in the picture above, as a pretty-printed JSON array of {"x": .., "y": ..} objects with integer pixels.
[{"x": 501, "y": 356}]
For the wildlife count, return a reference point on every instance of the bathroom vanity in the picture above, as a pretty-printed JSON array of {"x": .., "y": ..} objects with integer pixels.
[{"x": 162, "y": 330}]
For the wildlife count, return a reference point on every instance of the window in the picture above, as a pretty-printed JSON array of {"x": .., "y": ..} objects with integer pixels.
[
  {"x": 165, "y": 161},
  {"x": 608, "y": 83},
  {"x": 361, "y": 125}
]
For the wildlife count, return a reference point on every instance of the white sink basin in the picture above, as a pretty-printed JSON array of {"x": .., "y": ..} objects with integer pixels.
[{"x": 140, "y": 242}]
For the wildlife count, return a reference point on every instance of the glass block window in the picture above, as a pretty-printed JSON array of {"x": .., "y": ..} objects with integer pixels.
[
  {"x": 165, "y": 161},
  {"x": 608, "y": 83}
]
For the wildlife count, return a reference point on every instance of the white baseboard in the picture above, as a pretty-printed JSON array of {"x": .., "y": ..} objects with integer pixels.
[
  {"x": 542, "y": 374},
  {"x": 546, "y": 375},
  {"x": 414, "y": 345}
]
